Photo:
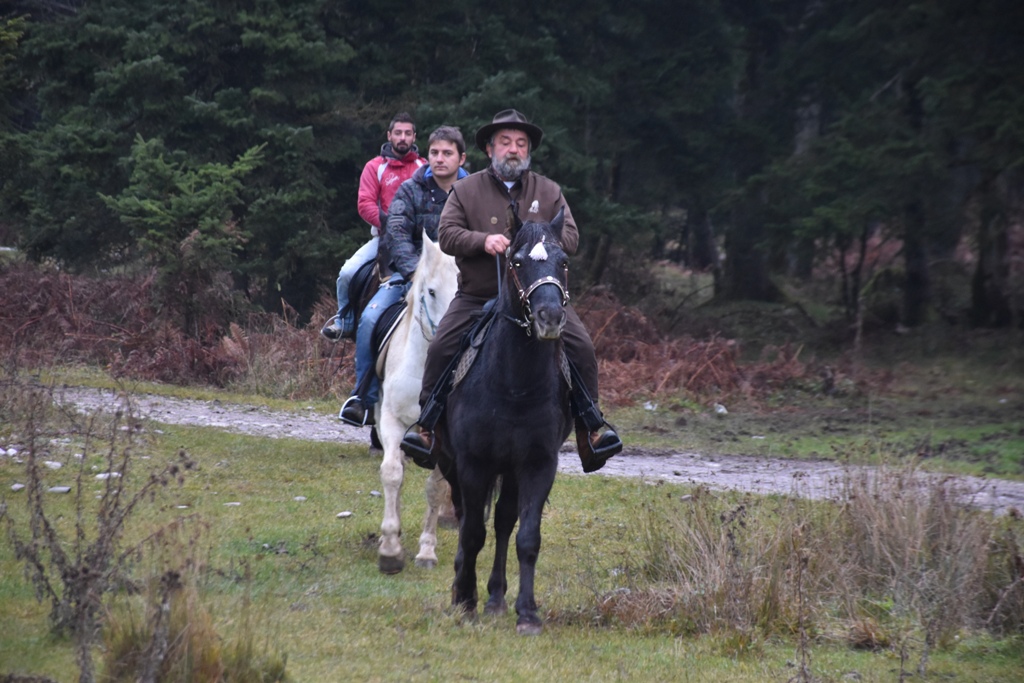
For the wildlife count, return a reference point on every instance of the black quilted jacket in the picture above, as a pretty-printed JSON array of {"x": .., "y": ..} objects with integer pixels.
[{"x": 415, "y": 209}]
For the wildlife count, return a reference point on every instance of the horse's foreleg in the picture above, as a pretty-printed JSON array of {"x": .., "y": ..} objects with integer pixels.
[
  {"x": 534, "y": 490},
  {"x": 438, "y": 496},
  {"x": 390, "y": 558},
  {"x": 472, "y": 534},
  {"x": 506, "y": 511}
]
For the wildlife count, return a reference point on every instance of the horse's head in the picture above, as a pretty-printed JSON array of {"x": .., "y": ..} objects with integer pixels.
[
  {"x": 536, "y": 259},
  {"x": 433, "y": 287}
]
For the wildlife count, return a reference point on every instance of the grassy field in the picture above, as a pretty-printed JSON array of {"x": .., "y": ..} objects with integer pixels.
[
  {"x": 636, "y": 582},
  {"x": 282, "y": 570}
]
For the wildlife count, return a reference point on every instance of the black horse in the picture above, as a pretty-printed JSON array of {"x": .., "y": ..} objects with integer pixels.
[{"x": 506, "y": 419}]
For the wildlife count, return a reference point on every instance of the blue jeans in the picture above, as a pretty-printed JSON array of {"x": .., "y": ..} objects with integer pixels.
[
  {"x": 389, "y": 292},
  {"x": 365, "y": 253}
]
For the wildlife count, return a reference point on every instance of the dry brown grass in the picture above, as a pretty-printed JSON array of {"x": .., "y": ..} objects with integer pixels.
[
  {"x": 52, "y": 317},
  {"x": 900, "y": 560},
  {"x": 636, "y": 361},
  {"x": 114, "y": 321},
  {"x": 177, "y": 640}
]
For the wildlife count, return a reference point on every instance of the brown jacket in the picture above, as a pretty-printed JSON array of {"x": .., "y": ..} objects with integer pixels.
[{"x": 478, "y": 207}]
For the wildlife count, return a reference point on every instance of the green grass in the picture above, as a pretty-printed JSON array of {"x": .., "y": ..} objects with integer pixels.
[{"x": 318, "y": 597}]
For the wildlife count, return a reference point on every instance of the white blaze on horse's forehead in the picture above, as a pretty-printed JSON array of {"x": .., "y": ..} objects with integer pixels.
[{"x": 539, "y": 253}]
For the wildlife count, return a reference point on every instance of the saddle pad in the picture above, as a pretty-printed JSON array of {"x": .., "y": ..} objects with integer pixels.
[
  {"x": 474, "y": 339},
  {"x": 385, "y": 327},
  {"x": 363, "y": 286}
]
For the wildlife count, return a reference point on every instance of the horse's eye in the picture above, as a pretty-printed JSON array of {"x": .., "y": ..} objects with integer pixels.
[
  {"x": 432, "y": 292},
  {"x": 517, "y": 263}
]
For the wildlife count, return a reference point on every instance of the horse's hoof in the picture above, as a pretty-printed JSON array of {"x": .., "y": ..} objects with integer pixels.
[
  {"x": 390, "y": 565},
  {"x": 529, "y": 628},
  {"x": 426, "y": 564},
  {"x": 496, "y": 608}
]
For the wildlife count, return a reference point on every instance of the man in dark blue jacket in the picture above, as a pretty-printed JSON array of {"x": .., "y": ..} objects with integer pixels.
[{"x": 414, "y": 210}]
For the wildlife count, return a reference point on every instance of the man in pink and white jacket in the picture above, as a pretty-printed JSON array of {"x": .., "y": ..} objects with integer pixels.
[{"x": 399, "y": 158}]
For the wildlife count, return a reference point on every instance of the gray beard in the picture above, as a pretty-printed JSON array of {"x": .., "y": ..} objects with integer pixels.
[{"x": 507, "y": 171}]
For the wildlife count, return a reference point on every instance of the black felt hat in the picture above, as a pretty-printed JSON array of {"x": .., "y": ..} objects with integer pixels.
[{"x": 509, "y": 118}]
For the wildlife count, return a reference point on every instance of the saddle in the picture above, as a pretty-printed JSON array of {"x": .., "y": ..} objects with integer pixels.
[
  {"x": 361, "y": 289},
  {"x": 473, "y": 339},
  {"x": 385, "y": 327}
]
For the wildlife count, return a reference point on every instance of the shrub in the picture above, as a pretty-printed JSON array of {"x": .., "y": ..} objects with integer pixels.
[
  {"x": 900, "y": 558},
  {"x": 75, "y": 568}
]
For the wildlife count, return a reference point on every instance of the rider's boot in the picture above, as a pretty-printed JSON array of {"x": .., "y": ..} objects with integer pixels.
[
  {"x": 340, "y": 327},
  {"x": 596, "y": 446},
  {"x": 417, "y": 444},
  {"x": 596, "y": 439},
  {"x": 353, "y": 412}
]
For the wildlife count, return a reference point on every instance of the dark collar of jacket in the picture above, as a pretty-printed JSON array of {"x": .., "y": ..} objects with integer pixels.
[
  {"x": 388, "y": 152},
  {"x": 425, "y": 177}
]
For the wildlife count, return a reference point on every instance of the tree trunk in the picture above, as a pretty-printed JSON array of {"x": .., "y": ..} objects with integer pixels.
[
  {"x": 746, "y": 262},
  {"x": 990, "y": 304},
  {"x": 800, "y": 259},
  {"x": 600, "y": 260},
  {"x": 701, "y": 249},
  {"x": 917, "y": 285},
  {"x": 800, "y": 254}
]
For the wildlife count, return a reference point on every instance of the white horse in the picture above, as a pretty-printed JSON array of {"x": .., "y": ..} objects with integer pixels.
[{"x": 401, "y": 367}]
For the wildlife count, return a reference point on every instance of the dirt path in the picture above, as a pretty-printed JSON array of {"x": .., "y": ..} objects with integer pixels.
[{"x": 813, "y": 479}]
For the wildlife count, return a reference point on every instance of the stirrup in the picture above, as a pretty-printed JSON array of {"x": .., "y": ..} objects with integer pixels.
[
  {"x": 418, "y": 447},
  {"x": 355, "y": 403},
  {"x": 607, "y": 444},
  {"x": 594, "y": 453},
  {"x": 337, "y": 328}
]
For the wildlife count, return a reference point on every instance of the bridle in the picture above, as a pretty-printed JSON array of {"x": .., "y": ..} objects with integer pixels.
[
  {"x": 526, "y": 322},
  {"x": 425, "y": 315}
]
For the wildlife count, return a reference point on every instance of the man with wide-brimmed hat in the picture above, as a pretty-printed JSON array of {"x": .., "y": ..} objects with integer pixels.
[{"x": 476, "y": 226}]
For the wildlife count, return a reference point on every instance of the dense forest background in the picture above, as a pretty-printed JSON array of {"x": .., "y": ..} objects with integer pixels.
[{"x": 219, "y": 143}]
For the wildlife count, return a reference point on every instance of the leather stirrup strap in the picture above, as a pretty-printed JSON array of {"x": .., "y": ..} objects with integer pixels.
[{"x": 583, "y": 405}]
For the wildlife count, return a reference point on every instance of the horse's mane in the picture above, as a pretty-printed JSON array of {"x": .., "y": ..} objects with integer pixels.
[{"x": 531, "y": 233}]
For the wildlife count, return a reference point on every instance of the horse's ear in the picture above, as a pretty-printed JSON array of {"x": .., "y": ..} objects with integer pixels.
[
  {"x": 558, "y": 222},
  {"x": 433, "y": 247}
]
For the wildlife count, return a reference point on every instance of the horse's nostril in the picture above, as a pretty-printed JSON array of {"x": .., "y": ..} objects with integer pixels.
[{"x": 550, "y": 315}]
